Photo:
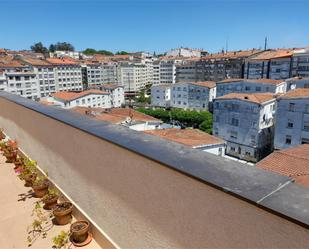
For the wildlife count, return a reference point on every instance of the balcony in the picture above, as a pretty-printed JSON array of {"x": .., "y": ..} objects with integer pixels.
[{"x": 140, "y": 191}]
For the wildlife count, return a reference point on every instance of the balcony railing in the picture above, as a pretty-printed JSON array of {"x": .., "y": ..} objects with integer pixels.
[{"x": 141, "y": 191}]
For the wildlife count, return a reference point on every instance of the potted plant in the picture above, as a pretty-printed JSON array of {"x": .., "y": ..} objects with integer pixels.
[
  {"x": 40, "y": 186},
  {"x": 63, "y": 213},
  {"x": 79, "y": 231},
  {"x": 50, "y": 199},
  {"x": 29, "y": 172},
  {"x": 62, "y": 240},
  {"x": 10, "y": 152}
]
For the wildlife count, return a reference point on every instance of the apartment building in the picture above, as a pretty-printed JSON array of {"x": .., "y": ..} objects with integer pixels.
[
  {"x": 186, "y": 52},
  {"x": 147, "y": 59},
  {"x": 89, "y": 98},
  {"x": 156, "y": 73},
  {"x": 300, "y": 65},
  {"x": 168, "y": 69},
  {"x": 297, "y": 82},
  {"x": 116, "y": 94},
  {"x": 61, "y": 54},
  {"x": 110, "y": 72},
  {"x": 68, "y": 74},
  {"x": 18, "y": 78},
  {"x": 161, "y": 95},
  {"x": 292, "y": 119},
  {"x": 250, "y": 86},
  {"x": 186, "y": 71},
  {"x": 45, "y": 73},
  {"x": 193, "y": 95},
  {"x": 132, "y": 76},
  {"x": 269, "y": 64},
  {"x": 92, "y": 74},
  {"x": 219, "y": 66},
  {"x": 245, "y": 121},
  {"x": 3, "y": 81}
]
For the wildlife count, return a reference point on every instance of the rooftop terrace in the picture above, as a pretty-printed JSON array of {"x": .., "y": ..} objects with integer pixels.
[{"x": 141, "y": 191}]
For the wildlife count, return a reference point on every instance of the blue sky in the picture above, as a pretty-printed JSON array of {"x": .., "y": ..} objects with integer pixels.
[{"x": 154, "y": 25}]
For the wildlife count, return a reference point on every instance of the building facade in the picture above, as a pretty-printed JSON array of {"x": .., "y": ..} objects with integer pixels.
[
  {"x": 245, "y": 121},
  {"x": 161, "y": 95},
  {"x": 250, "y": 86},
  {"x": 193, "y": 95},
  {"x": 116, "y": 94},
  {"x": 132, "y": 77},
  {"x": 292, "y": 119},
  {"x": 300, "y": 65}
]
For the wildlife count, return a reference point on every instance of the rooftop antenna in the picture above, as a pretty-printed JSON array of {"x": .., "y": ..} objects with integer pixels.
[{"x": 265, "y": 43}]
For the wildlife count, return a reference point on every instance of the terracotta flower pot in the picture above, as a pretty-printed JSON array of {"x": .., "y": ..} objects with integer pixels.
[
  {"x": 11, "y": 156},
  {"x": 50, "y": 201},
  {"x": 40, "y": 190},
  {"x": 63, "y": 213},
  {"x": 29, "y": 180},
  {"x": 79, "y": 231}
]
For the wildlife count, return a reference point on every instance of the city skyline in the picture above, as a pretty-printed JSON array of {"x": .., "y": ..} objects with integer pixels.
[{"x": 156, "y": 25}]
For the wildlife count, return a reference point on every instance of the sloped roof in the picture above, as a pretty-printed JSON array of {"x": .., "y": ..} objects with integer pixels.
[
  {"x": 297, "y": 93},
  {"x": 293, "y": 162},
  {"x": 190, "y": 137},
  {"x": 68, "y": 96},
  {"x": 209, "y": 84},
  {"x": 258, "y": 98}
]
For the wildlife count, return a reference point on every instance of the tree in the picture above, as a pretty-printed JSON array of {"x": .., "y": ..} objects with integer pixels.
[
  {"x": 91, "y": 51},
  {"x": 122, "y": 53},
  {"x": 52, "y": 48},
  {"x": 39, "y": 48},
  {"x": 62, "y": 46},
  {"x": 105, "y": 52}
]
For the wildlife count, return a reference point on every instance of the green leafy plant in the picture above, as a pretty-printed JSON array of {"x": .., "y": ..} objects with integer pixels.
[
  {"x": 52, "y": 192},
  {"x": 40, "y": 225},
  {"x": 62, "y": 240}
]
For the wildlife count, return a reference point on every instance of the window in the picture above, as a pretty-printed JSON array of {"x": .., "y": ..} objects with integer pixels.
[
  {"x": 247, "y": 88},
  {"x": 307, "y": 108},
  {"x": 233, "y": 149},
  {"x": 258, "y": 89},
  {"x": 291, "y": 107},
  {"x": 290, "y": 124},
  {"x": 306, "y": 85},
  {"x": 288, "y": 139},
  {"x": 233, "y": 134},
  {"x": 306, "y": 125},
  {"x": 235, "y": 122}
]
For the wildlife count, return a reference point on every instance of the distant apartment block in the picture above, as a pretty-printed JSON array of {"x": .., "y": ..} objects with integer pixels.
[
  {"x": 89, "y": 98},
  {"x": 193, "y": 138},
  {"x": 216, "y": 67},
  {"x": 186, "y": 71},
  {"x": 297, "y": 82},
  {"x": 92, "y": 74},
  {"x": 245, "y": 121},
  {"x": 193, "y": 95},
  {"x": 269, "y": 64},
  {"x": 161, "y": 95},
  {"x": 68, "y": 74},
  {"x": 132, "y": 76},
  {"x": 292, "y": 119},
  {"x": 250, "y": 86},
  {"x": 301, "y": 62},
  {"x": 186, "y": 52},
  {"x": 167, "y": 70}
]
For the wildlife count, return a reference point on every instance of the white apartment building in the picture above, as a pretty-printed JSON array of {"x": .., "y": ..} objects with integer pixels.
[
  {"x": 297, "y": 82},
  {"x": 246, "y": 122},
  {"x": 132, "y": 76},
  {"x": 92, "y": 74},
  {"x": 109, "y": 72},
  {"x": 116, "y": 94},
  {"x": 3, "y": 81},
  {"x": 68, "y": 74},
  {"x": 89, "y": 98},
  {"x": 186, "y": 52},
  {"x": 193, "y": 95},
  {"x": 161, "y": 95},
  {"x": 45, "y": 73},
  {"x": 250, "y": 86},
  {"x": 301, "y": 62},
  {"x": 60, "y": 54},
  {"x": 168, "y": 70},
  {"x": 156, "y": 73},
  {"x": 292, "y": 119},
  {"x": 19, "y": 79},
  {"x": 146, "y": 59}
]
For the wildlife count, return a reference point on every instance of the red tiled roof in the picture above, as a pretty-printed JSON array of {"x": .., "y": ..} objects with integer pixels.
[
  {"x": 190, "y": 137},
  {"x": 36, "y": 62},
  {"x": 116, "y": 115},
  {"x": 209, "y": 84},
  {"x": 62, "y": 61},
  {"x": 273, "y": 54},
  {"x": 258, "y": 98},
  {"x": 68, "y": 96},
  {"x": 293, "y": 162},
  {"x": 231, "y": 54},
  {"x": 298, "y": 93},
  {"x": 263, "y": 81}
]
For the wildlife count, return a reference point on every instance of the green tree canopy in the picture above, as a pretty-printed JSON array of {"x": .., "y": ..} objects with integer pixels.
[
  {"x": 62, "y": 46},
  {"x": 91, "y": 51},
  {"x": 39, "y": 48},
  {"x": 122, "y": 53}
]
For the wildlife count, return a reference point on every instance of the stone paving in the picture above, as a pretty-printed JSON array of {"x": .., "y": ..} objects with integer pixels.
[{"x": 16, "y": 214}]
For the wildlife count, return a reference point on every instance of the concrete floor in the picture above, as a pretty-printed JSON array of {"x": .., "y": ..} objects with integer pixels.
[{"x": 16, "y": 214}]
